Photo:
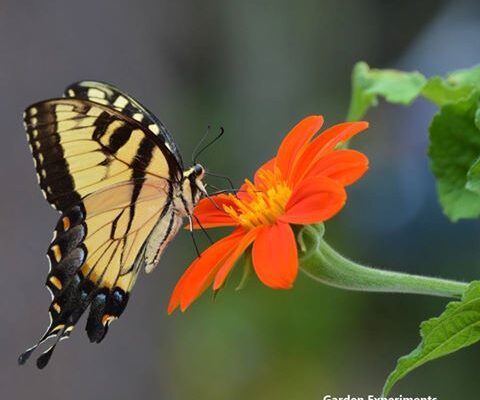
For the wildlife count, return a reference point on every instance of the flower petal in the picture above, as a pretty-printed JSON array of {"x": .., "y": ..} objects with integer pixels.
[
  {"x": 275, "y": 257},
  {"x": 201, "y": 272},
  {"x": 268, "y": 166},
  {"x": 211, "y": 216},
  {"x": 323, "y": 144},
  {"x": 294, "y": 143},
  {"x": 243, "y": 194},
  {"x": 344, "y": 166},
  {"x": 229, "y": 262},
  {"x": 314, "y": 200}
]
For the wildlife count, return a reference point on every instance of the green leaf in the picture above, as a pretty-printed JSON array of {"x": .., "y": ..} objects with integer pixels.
[
  {"x": 469, "y": 76},
  {"x": 441, "y": 92},
  {"x": 457, "y": 86},
  {"x": 454, "y": 148},
  {"x": 473, "y": 177},
  {"x": 457, "y": 327},
  {"x": 477, "y": 119},
  {"x": 395, "y": 86}
]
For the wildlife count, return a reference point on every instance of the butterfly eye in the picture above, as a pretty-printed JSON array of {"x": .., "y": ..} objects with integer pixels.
[{"x": 198, "y": 170}]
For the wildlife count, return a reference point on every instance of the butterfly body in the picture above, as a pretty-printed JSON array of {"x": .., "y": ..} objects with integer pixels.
[
  {"x": 115, "y": 174},
  {"x": 185, "y": 196}
]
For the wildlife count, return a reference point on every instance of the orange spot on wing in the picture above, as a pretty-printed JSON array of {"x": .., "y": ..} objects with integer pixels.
[
  {"x": 107, "y": 318},
  {"x": 66, "y": 223},
  {"x": 57, "y": 253},
  {"x": 56, "y": 282}
]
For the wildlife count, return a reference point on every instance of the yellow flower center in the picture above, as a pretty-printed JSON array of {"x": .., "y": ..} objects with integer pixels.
[{"x": 263, "y": 203}]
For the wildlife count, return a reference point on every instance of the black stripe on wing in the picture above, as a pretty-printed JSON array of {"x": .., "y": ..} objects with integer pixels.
[
  {"x": 109, "y": 95},
  {"x": 79, "y": 147}
]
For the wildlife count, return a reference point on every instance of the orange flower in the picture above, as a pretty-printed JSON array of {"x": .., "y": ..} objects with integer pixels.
[{"x": 304, "y": 184}]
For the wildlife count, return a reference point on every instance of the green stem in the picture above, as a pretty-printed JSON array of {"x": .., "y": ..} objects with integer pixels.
[
  {"x": 358, "y": 103},
  {"x": 322, "y": 263}
]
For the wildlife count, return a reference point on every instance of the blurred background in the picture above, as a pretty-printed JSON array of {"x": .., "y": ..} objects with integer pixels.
[{"x": 256, "y": 68}]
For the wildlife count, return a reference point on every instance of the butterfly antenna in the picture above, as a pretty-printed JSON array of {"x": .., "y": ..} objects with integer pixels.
[
  {"x": 220, "y": 176},
  {"x": 197, "y": 154},
  {"x": 194, "y": 153}
]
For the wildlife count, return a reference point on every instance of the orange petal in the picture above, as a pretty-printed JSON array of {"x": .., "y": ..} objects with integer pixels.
[
  {"x": 268, "y": 166},
  {"x": 209, "y": 215},
  {"x": 314, "y": 200},
  {"x": 295, "y": 142},
  {"x": 201, "y": 272},
  {"x": 275, "y": 257},
  {"x": 242, "y": 193},
  {"x": 344, "y": 166},
  {"x": 228, "y": 264},
  {"x": 323, "y": 144}
]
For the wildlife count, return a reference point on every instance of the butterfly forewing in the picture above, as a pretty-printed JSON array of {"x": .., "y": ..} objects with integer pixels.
[
  {"x": 111, "y": 96},
  {"x": 80, "y": 147}
]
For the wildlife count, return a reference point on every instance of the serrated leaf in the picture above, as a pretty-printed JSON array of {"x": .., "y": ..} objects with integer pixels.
[
  {"x": 454, "y": 148},
  {"x": 441, "y": 92},
  {"x": 457, "y": 327},
  {"x": 396, "y": 87}
]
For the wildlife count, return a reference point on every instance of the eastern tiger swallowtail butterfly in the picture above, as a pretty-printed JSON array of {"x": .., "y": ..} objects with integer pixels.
[{"x": 115, "y": 174}]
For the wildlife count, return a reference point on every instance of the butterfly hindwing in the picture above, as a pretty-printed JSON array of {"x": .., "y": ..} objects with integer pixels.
[
  {"x": 111, "y": 96},
  {"x": 99, "y": 247},
  {"x": 80, "y": 147}
]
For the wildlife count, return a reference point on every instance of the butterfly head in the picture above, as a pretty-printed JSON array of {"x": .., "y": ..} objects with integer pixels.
[{"x": 193, "y": 186}]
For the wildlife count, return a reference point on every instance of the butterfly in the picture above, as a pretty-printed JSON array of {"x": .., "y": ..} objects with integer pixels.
[{"x": 115, "y": 174}]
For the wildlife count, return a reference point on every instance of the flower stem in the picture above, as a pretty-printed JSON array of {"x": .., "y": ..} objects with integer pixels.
[{"x": 322, "y": 263}]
